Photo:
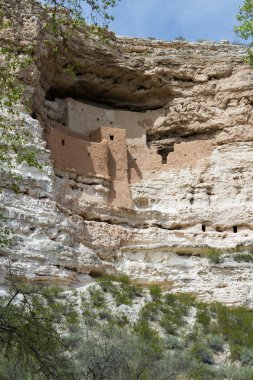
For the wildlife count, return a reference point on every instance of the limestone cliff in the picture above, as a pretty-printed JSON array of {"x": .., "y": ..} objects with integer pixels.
[{"x": 148, "y": 151}]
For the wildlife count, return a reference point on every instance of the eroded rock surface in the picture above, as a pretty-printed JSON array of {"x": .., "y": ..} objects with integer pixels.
[{"x": 151, "y": 158}]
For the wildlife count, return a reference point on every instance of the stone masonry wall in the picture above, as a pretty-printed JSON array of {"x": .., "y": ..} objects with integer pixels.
[{"x": 71, "y": 152}]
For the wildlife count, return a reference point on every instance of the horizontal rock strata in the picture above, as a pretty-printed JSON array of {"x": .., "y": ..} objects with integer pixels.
[{"x": 148, "y": 153}]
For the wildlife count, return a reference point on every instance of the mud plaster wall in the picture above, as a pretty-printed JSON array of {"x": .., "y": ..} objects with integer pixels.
[
  {"x": 120, "y": 194},
  {"x": 142, "y": 159},
  {"x": 85, "y": 118},
  {"x": 189, "y": 154},
  {"x": 72, "y": 152}
]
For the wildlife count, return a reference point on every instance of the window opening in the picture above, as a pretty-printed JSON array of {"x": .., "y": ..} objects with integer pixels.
[
  {"x": 164, "y": 159},
  {"x": 63, "y": 142},
  {"x": 111, "y": 137},
  {"x": 165, "y": 152},
  {"x": 235, "y": 229},
  {"x": 203, "y": 228}
]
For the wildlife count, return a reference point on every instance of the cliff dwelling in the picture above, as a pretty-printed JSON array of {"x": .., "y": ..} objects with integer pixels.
[
  {"x": 95, "y": 140},
  {"x": 111, "y": 143}
]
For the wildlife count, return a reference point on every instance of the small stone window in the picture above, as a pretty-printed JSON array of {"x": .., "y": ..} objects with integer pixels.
[
  {"x": 203, "y": 228},
  {"x": 235, "y": 229},
  {"x": 63, "y": 142},
  {"x": 111, "y": 137},
  {"x": 164, "y": 152},
  {"x": 164, "y": 159}
]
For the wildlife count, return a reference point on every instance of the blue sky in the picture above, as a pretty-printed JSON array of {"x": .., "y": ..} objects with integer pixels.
[{"x": 167, "y": 19}]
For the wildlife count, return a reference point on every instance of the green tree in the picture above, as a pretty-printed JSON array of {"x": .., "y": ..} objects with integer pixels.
[
  {"x": 245, "y": 28},
  {"x": 34, "y": 325},
  {"x": 97, "y": 10}
]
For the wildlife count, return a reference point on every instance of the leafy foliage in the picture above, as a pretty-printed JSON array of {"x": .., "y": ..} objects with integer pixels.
[
  {"x": 245, "y": 28},
  {"x": 32, "y": 343},
  {"x": 97, "y": 10}
]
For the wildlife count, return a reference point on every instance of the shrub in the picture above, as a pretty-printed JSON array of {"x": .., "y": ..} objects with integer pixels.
[
  {"x": 144, "y": 331},
  {"x": 109, "y": 279},
  {"x": 151, "y": 311},
  {"x": 122, "y": 297},
  {"x": 200, "y": 371},
  {"x": 236, "y": 325},
  {"x": 237, "y": 373},
  {"x": 246, "y": 356},
  {"x": 214, "y": 255},
  {"x": 180, "y": 38},
  {"x": 244, "y": 257},
  {"x": 202, "y": 352},
  {"x": 173, "y": 343},
  {"x": 106, "y": 283},
  {"x": 120, "y": 288},
  {"x": 88, "y": 315},
  {"x": 203, "y": 316},
  {"x": 155, "y": 292},
  {"x": 174, "y": 309},
  {"x": 186, "y": 299},
  {"x": 97, "y": 297},
  {"x": 123, "y": 279},
  {"x": 105, "y": 315},
  {"x": 216, "y": 343}
]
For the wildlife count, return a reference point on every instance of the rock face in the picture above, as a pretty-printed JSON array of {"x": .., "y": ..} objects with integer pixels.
[{"x": 148, "y": 151}]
